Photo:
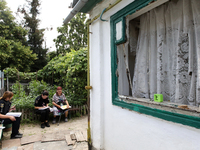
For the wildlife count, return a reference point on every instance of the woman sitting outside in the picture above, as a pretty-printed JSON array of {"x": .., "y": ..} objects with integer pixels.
[
  {"x": 5, "y": 119},
  {"x": 59, "y": 99}
]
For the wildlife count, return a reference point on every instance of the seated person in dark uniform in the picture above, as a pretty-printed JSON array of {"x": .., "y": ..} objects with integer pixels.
[
  {"x": 41, "y": 107},
  {"x": 4, "y": 119}
]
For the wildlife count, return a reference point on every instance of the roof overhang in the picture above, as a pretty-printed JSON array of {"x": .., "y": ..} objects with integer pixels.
[
  {"x": 81, "y": 6},
  {"x": 89, "y": 5}
]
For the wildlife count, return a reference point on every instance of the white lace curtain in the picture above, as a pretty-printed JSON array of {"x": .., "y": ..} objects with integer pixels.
[{"x": 168, "y": 53}]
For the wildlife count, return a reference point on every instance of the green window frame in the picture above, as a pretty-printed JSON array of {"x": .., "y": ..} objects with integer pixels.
[
  {"x": 193, "y": 121},
  {"x": 121, "y": 20}
]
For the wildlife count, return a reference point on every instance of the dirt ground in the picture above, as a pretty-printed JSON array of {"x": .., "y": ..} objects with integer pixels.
[{"x": 74, "y": 124}]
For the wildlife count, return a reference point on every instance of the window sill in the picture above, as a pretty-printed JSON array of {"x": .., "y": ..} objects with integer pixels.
[
  {"x": 164, "y": 110},
  {"x": 168, "y": 106}
]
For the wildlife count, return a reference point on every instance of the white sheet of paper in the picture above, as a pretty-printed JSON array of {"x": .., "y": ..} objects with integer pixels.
[
  {"x": 15, "y": 114},
  {"x": 43, "y": 108}
]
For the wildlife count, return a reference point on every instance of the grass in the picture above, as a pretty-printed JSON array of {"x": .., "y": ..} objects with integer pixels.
[{"x": 31, "y": 134}]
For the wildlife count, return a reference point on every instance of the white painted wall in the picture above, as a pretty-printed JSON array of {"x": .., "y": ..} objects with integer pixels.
[{"x": 114, "y": 128}]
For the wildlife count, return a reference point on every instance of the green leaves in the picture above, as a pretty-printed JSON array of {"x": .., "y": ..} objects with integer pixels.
[
  {"x": 35, "y": 35},
  {"x": 66, "y": 68},
  {"x": 13, "y": 74},
  {"x": 73, "y": 35},
  {"x": 69, "y": 71},
  {"x": 14, "y": 54},
  {"x": 13, "y": 44},
  {"x": 34, "y": 89},
  {"x": 20, "y": 99},
  {"x": 76, "y": 77}
]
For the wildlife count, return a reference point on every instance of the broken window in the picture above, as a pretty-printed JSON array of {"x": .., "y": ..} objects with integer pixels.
[{"x": 162, "y": 54}]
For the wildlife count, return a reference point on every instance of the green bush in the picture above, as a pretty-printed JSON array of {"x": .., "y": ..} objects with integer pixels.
[
  {"x": 21, "y": 100},
  {"x": 24, "y": 102},
  {"x": 18, "y": 90},
  {"x": 14, "y": 75},
  {"x": 36, "y": 87},
  {"x": 76, "y": 78},
  {"x": 68, "y": 71}
]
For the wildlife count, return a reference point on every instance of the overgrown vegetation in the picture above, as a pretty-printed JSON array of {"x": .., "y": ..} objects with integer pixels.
[
  {"x": 69, "y": 71},
  {"x": 25, "y": 98},
  {"x": 14, "y": 50},
  {"x": 21, "y": 51},
  {"x": 73, "y": 35}
]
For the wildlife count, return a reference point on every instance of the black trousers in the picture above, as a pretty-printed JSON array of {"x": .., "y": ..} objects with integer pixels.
[
  {"x": 44, "y": 114},
  {"x": 15, "y": 125}
]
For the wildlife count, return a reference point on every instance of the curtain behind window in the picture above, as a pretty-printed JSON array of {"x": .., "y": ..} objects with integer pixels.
[{"x": 168, "y": 53}]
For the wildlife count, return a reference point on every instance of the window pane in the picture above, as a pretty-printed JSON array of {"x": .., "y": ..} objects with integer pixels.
[
  {"x": 162, "y": 53},
  {"x": 119, "y": 30}
]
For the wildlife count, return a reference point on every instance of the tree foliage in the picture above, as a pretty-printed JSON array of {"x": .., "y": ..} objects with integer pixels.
[
  {"x": 73, "y": 35},
  {"x": 14, "y": 75},
  {"x": 51, "y": 55},
  {"x": 35, "y": 35},
  {"x": 68, "y": 71},
  {"x": 26, "y": 99},
  {"x": 14, "y": 51}
]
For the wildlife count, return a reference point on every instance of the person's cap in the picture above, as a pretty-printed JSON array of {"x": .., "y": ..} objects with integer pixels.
[{"x": 59, "y": 88}]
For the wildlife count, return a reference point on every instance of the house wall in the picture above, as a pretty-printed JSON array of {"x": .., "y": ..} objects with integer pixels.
[{"x": 115, "y": 128}]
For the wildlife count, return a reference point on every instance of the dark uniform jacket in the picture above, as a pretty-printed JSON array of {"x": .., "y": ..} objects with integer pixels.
[
  {"x": 4, "y": 106},
  {"x": 39, "y": 101}
]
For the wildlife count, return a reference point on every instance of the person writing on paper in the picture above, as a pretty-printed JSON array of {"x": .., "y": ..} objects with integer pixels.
[
  {"x": 59, "y": 100},
  {"x": 6, "y": 119},
  {"x": 41, "y": 107}
]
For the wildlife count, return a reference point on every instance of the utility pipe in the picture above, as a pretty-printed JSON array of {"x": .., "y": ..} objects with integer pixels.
[
  {"x": 80, "y": 4},
  {"x": 102, "y": 15},
  {"x": 88, "y": 85}
]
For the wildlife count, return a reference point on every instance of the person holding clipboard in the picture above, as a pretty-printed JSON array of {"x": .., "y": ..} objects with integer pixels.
[
  {"x": 60, "y": 100},
  {"x": 41, "y": 107},
  {"x": 8, "y": 119}
]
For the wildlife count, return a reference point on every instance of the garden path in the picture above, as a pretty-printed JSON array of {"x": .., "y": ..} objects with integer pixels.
[{"x": 36, "y": 138}]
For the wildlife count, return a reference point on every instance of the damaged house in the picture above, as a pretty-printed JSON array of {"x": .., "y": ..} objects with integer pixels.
[{"x": 139, "y": 48}]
